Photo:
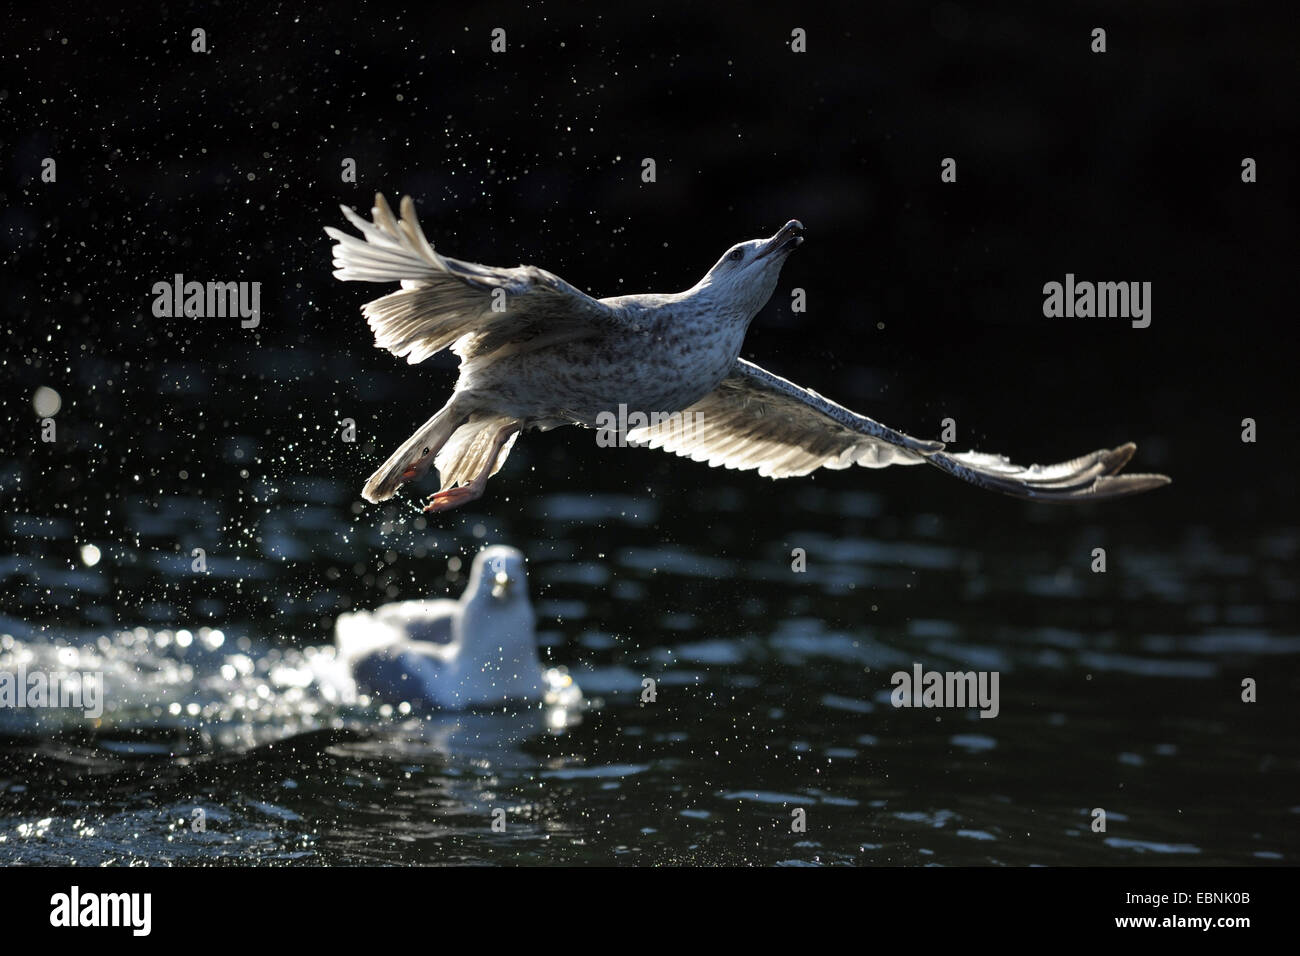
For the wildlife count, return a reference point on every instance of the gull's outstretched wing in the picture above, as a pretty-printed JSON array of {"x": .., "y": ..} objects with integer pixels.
[
  {"x": 755, "y": 419},
  {"x": 443, "y": 300}
]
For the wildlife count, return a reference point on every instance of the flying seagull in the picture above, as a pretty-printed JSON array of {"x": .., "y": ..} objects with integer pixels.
[{"x": 536, "y": 353}]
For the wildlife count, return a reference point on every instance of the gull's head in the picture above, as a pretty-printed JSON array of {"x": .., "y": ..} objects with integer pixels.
[
  {"x": 746, "y": 274},
  {"x": 498, "y": 573}
]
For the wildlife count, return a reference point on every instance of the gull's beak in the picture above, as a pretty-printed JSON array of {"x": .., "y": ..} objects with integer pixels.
[
  {"x": 500, "y": 585},
  {"x": 788, "y": 238}
]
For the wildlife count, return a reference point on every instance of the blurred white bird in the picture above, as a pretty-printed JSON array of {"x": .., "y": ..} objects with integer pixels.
[
  {"x": 480, "y": 651},
  {"x": 537, "y": 353}
]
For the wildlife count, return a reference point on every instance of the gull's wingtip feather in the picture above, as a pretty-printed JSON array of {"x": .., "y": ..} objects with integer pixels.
[
  {"x": 1121, "y": 486},
  {"x": 1094, "y": 476},
  {"x": 1117, "y": 458}
]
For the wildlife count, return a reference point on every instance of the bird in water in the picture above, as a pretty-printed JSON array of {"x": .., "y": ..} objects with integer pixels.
[
  {"x": 536, "y": 353},
  {"x": 480, "y": 651}
]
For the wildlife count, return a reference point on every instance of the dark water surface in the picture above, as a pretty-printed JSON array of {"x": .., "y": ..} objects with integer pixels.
[{"x": 1117, "y": 690}]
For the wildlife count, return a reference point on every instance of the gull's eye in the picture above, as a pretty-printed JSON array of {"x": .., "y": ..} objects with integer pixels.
[{"x": 735, "y": 255}]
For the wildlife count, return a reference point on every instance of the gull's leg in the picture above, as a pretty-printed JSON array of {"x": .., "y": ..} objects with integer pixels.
[
  {"x": 455, "y": 497},
  {"x": 417, "y": 453}
]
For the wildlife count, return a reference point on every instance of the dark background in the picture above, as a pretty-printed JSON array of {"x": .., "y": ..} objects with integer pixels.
[
  {"x": 924, "y": 298},
  {"x": 925, "y": 302}
]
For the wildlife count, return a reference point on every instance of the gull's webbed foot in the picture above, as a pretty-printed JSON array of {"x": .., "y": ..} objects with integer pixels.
[{"x": 453, "y": 498}]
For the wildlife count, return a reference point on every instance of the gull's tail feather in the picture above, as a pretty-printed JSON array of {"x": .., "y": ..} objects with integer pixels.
[
  {"x": 1093, "y": 476},
  {"x": 435, "y": 306},
  {"x": 469, "y": 451},
  {"x": 446, "y": 302},
  {"x": 389, "y": 250},
  {"x": 416, "y": 455}
]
